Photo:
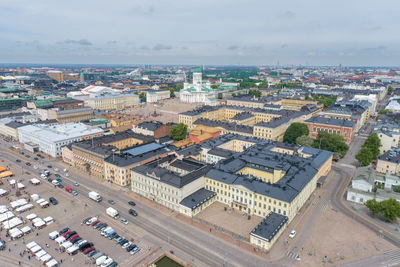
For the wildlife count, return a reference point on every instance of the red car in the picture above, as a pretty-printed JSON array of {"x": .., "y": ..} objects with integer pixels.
[
  {"x": 72, "y": 237},
  {"x": 66, "y": 233},
  {"x": 68, "y": 189},
  {"x": 95, "y": 222},
  {"x": 86, "y": 251}
]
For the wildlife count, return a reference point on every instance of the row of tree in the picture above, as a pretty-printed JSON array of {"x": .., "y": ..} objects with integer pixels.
[
  {"x": 327, "y": 101},
  {"x": 369, "y": 150},
  {"x": 297, "y": 133},
  {"x": 389, "y": 209},
  {"x": 178, "y": 132}
]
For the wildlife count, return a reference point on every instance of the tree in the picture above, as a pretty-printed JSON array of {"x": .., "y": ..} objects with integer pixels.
[
  {"x": 331, "y": 142},
  {"x": 171, "y": 92},
  {"x": 214, "y": 86},
  {"x": 364, "y": 156},
  {"x": 327, "y": 101},
  {"x": 178, "y": 132},
  {"x": 390, "y": 209},
  {"x": 296, "y": 129},
  {"x": 396, "y": 188},
  {"x": 304, "y": 140},
  {"x": 374, "y": 206},
  {"x": 263, "y": 85},
  {"x": 383, "y": 111},
  {"x": 256, "y": 93},
  {"x": 142, "y": 96},
  {"x": 390, "y": 90},
  {"x": 178, "y": 87}
]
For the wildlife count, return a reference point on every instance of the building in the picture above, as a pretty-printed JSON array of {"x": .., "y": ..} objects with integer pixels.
[
  {"x": 67, "y": 155},
  {"x": 153, "y": 96},
  {"x": 56, "y": 75},
  {"x": 389, "y": 162},
  {"x": 388, "y": 132},
  {"x": 71, "y": 115},
  {"x": 344, "y": 128},
  {"x": 50, "y": 139},
  {"x": 68, "y": 104},
  {"x": 297, "y": 104},
  {"x": 268, "y": 176},
  {"x": 198, "y": 91},
  {"x": 117, "y": 167},
  {"x": 111, "y": 102},
  {"x": 357, "y": 111},
  {"x": 266, "y": 233},
  {"x": 155, "y": 129},
  {"x": 169, "y": 180},
  {"x": 394, "y": 104},
  {"x": 364, "y": 182}
]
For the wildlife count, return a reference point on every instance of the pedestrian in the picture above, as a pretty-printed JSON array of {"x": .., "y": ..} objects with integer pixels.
[
  {"x": 61, "y": 260},
  {"x": 9, "y": 249},
  {"x": 19, "y": 263},
  {"x": 29, "y": 257}
]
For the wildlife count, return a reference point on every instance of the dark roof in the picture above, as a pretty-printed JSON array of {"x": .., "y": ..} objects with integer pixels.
[
  {"x": 331, "y": 121},
  {"x": 67, "y": 101},
  {"x": 102, "y": 151},
  {"x": 242, "y": 116},
  {"x": 220, "y": 152},
  {"x": 229, "y": 126},
  {"x": 269, "y": 226},
  {"x": 197, "y": 198},
  {"x": 123, "y": 135},
  {"x": 392, "y": 155},
  {"x": 150, "y": 125}
]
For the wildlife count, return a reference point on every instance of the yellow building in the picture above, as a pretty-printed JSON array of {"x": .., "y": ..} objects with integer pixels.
[
  {"x": 297, "y": 104},
  {"x": 269, "y": 177},
  {"x": 72, "y": 115},
  {"x": 110, "y": 102}
]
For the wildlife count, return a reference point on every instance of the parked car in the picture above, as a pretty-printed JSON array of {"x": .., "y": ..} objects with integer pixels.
[
  {"x": 49, "y": 166},
  {"x": 27, "y": 164},
  {"x": 18, "y": 160},
  {"x": 134, "y": 250},
  {"x": 112, "y": 202},
  {"x": 99, "y": 225},
  {"x": 126, "y": 245},
  {"x": 93, "y": 219},
  {"x": 119, "y": 239},
  {"x": 123, "y": 242},
  {"x": 124, "y": 221},
  {"x": 66, "y": 233},
  {"x": 27, "y": 156},
  {"x": 53, "y": 201},
  {"x": 131, "y": 203},
  {"x": 73, "y": 237},
  {"x": 292, "y": 234},
  {"x": 91, "y": 253},
  {"x": 94, "y": 223},
  {"x": 70, "y": 234},
  {"x": 60, "y": 186},
  {"x": 85, "y": 246},
  {"x": 132, "y": 212},
  {"x": 76, "y": 183},
  {"x": 76, "y": 240},
  {"x": 68, "y": 189},
  {"x": 74, "y": 193},
  {"x": 57, "y": 175},
  {"x": 87, "y": 250},
  {"x": 63, "y": 231}
]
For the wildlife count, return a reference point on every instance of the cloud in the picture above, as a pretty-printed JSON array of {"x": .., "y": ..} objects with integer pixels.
[
  {"x": 78, "y": 42},
  {"x": 159, "y": 47},
  {"x": 233, "y": 47},
  {"x": 145, "y": 11},
  {"x": 144, "y": 47},
  {"x": 377, "y": 48},
  {"x": 112, "y": 42},
  {"x": 284, "y": 46},
  {"x": 289, "y": 14}
]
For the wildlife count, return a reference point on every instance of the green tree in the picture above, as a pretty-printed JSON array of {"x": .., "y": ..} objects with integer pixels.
[
  {"x": 396, "y": 188},
  {"x": 263, "y": 85},
  {"x": 390, "y": 90},
  {"x": 295, "y": 130},
  {"x": 331, "y": 142},
  {"x": 383, "y": 111},
  {"x": 171, "y": 92},
  {"x": 256, "y": 93},
  {"x": 374, "y": 206},
  {"x": 373, "y": 143},
  {"x": 142, "y": 96},
  {"x": 390, "y": 209},
  {"x": 214, "y": 86},
  {"x": 178, "y": 87},
  {"x": 327, "y": 101},
  {"x": 364, "y": 156},
  {"x": 178, "y": 132},
  {"x": 304, "y": 140}
]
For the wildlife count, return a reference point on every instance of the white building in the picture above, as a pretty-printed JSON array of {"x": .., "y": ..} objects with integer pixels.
[
  {"x": 198, "y": 91},
  {"x": 371, "y": 98},
  {"x": 153, "y": 96},
  {"x": 50, "y": 139},
  {"x": 394, "y": 104},
  {"x": 92, "y": 91}
]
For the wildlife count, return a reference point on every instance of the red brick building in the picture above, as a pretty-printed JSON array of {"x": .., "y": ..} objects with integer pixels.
[
  {"x": 155, "y": 129},
  {"x": 69, "y": 104},
  {"x": 345, "y": 128}
]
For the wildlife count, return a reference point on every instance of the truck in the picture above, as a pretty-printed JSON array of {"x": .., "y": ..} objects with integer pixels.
[
  {"x": 112, "y": 212},
  {"x": 95, "y": 196}
]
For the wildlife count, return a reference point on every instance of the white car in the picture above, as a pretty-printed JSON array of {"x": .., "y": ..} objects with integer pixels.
[
  {"x": 127, "y": 244},
  {"x": 124, "y": 221},
  {"x": 35, "y": 167},
  {"x": 101, "y": 260},
  {"x": 292, "y": 234},
  {"x": 55, "y": 169},
  {"x": 93, "y": 219}
]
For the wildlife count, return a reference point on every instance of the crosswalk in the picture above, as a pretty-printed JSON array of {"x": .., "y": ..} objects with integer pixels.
[
  {"x": 390, "y": 258},
  {"x": 293, "y": 255}
]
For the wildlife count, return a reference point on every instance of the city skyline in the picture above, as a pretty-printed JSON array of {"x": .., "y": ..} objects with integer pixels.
[{"x": 212, "y": 33}]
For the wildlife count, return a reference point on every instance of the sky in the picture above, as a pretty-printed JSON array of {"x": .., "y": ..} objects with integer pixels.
[{"x": 217, "y": 32}]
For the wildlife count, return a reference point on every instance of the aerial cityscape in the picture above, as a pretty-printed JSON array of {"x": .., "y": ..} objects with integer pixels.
[{"x": 199, "y": 134}]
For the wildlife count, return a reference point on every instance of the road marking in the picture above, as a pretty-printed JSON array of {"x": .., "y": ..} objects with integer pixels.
[{"x": 347, "y": 165}]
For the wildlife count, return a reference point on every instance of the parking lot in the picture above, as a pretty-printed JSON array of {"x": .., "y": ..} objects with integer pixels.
[{"x": 69, "y": 212}]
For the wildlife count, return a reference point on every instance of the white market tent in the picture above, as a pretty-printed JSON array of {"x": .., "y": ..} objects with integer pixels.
[
  {"x": 31, "y": 244},
  {"x": 23, "y": 208},
  {"x": 40, "y": 200},
  {"x": 53, "y": 235},
  {"x": 20, "y": 186},
  {"x": 26, "y": 229},
  {"x": 35, "y": 197},
  {"x": 6, "y": 216},
  {"x": 12, "y": 181},
  {"x": 35, "y": 181},
  {"x": 72, "y": 249},
  {"x": 3, "y": 192},
  {"x": 44, "y": 204},
  {"x": 48, "y": 220},
  {"x": 60, "y": 240},
  {"x": 35, "y": 248},
  {"x": 45, "y": 258},
  {"x": 12, "y": 223},
  {"x": 40, "y": 253},
  {"x": 18, "y": 203},
  {"x": 15, "y": 233},
  {"x": 31, "y": 216},
  {"x": 3, "y": 209},
  {"x": 39, "y": 224},
  {"x": 52, "y": 263},
  {"x": 37, "y": 219}
]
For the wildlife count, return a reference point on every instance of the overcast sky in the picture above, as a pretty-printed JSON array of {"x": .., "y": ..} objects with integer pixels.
[{"x": 307, "y": 32}]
